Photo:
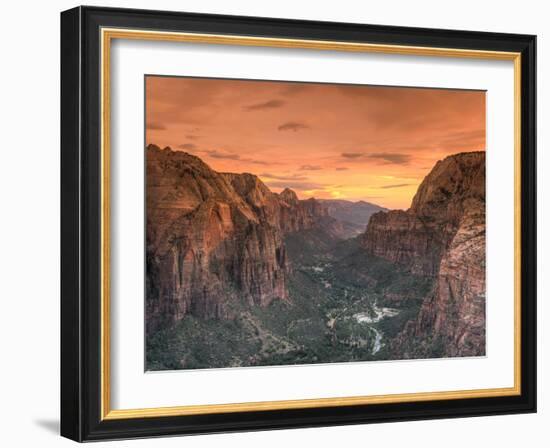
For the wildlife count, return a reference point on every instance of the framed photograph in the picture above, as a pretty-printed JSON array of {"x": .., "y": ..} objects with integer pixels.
[{"x": 276, "y": 224}]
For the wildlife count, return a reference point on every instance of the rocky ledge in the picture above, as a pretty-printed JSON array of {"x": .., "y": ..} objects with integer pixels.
[
  {"x": 214, "y": 239},
  {"x": 442, "y": 235}
]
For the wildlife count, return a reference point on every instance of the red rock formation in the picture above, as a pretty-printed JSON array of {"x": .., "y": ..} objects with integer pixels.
[
  {"x": 442, "y": 235},
  {"x": 283, "y": 211},
  {"x": 403, "y": 237},
  {"x": 214, "y": 239}
]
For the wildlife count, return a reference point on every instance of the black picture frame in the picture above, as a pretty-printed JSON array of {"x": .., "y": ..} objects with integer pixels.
[{"x": 81, "y": 224}]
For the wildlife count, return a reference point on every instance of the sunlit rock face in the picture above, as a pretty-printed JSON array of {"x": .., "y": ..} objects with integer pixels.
[
  {"x": 214, "y": 239},
  {"x": 442, "y": 235}
]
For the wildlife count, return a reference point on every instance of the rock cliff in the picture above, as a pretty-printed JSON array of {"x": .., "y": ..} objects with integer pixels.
[
  {"x": 442, "y": 236},
  {"x": 215, "y": 239}
]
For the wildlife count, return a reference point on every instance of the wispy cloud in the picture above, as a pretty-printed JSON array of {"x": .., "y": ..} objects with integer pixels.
[
  {"x": 152, "y": 126},
  {"x": 341, "y": 168},
  {"x": 188, "y": 146},
  {"x": 384, "y": 157},
  {"x": 292, "y": 177},
  {"x": 192, "y": 137},
  {"x": 310, "y": 168},
  {"x": 391, "y": 157},
  {"x": 385, "y": 187},
  {"x": 260, "y": 162},
  {"x": 352, "y": 155},
  {"x": 232, "y": 156},
  {"x": 223, "y": 155},
  {"x": 271, "y": 104},
  {"x": 296, "y": 185},
  {"x": 293, "y": 126}
]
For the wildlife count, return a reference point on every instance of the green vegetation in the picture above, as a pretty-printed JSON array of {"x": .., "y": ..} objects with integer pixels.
[{"x": 344, "y": 306}]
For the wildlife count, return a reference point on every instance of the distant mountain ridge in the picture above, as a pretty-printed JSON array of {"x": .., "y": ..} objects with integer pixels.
[{"x": 356, "y": 213}]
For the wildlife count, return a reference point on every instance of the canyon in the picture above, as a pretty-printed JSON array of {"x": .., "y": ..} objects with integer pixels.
[
  {"x": 442, "y": 236},
  {"x": 238, "y": 275}
]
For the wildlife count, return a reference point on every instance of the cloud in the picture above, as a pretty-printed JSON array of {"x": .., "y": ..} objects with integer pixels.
[
  {"x": 293, "y": 126},
  {"x": 385, "y": 187},
  {"x": 391, "y": 157},
  {"x": 155, "y": 126},
  {"x": 296, "y": 185},
  {"x": 192, "y": 137},
  {"x": 384, "y": 157},
  {"x": 260, "y": 162},
  {"x": 271, "y": 104},
  {"x": 310, "y": 168},
  {"x": 223, "y": 155},
  {"x": 291, "y": 177},
  {"x": 352, "y": 155},
  {"x": 189, "y": 146},
  {"x": 341, "y": 168},
  {"x": 232, "y": 156}
]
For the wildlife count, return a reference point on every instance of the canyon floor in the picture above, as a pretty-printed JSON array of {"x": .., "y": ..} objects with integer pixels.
[{"x": 344, "y": 305}]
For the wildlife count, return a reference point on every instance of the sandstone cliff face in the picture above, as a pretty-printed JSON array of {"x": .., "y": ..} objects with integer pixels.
[
  {"x": 214, "y": 238},
  {"x": 403, "y": 237},
  {"x": 442, "y": 235},
  {"x": 283, "y": 211}
]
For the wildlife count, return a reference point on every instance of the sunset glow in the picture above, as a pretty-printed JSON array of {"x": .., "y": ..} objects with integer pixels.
[{"x": 335, "y": 141}]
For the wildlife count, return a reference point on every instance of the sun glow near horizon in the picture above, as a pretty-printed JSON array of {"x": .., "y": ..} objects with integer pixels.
[{"x": 327, "y": 141}]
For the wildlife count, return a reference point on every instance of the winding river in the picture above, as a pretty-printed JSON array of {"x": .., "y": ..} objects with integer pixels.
[{"x": 377, "y": 314}]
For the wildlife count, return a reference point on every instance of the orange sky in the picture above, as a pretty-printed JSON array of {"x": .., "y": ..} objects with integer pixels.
[{"x": 367, "y": 143}]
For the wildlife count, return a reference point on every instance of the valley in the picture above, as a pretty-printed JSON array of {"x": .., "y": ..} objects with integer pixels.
[
  {"x": 239, "y": 276},
  {"x": 327, "y": 318}
]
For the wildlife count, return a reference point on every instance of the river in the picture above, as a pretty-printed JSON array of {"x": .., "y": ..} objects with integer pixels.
[{"x": 377, "y": 314}]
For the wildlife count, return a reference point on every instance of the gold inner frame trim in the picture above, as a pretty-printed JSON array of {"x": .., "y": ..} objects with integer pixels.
[{"x": 107, "y": 35}]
